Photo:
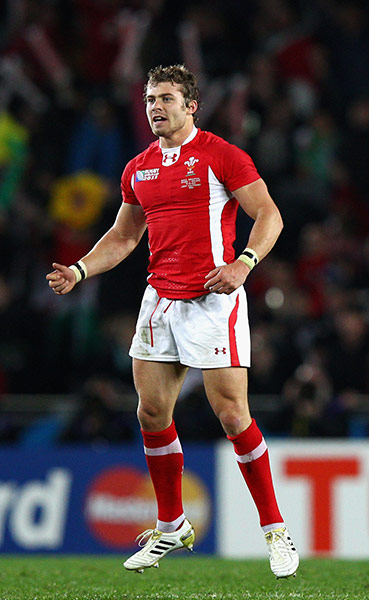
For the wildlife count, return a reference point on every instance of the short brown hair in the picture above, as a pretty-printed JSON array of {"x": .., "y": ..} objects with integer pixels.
[{"x": 176, "y": 74}]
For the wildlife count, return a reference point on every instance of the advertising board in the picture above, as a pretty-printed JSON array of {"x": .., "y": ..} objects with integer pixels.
[
  {"x": 323, "y": 492},
  {"x": 97, "y": 501},
  {"x": 86, "y": 501}
]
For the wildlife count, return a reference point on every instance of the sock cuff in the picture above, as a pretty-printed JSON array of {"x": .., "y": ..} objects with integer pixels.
[
  {"x": 248, "y": 440},
  {"x": 171, "y": 526},
  {"x": 271, "y": 526},
  {"x": 157, "y": 439}
]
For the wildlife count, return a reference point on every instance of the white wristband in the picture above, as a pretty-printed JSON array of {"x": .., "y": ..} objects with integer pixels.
[
  {"x": 249, "y": 257},
  {"x": 80, "y": 270}
]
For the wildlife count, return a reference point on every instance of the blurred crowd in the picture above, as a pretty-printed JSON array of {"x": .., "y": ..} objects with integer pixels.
[{"x": 287, "y": 81}]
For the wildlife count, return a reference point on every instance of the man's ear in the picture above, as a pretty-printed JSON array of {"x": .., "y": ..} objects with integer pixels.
[{"x": 192, "y": 106}]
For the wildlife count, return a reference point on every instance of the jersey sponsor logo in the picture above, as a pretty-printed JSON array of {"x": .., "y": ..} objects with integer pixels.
[
  {"x": 190, "y": 163},
  {"x": 169, "y": 158},
  {"x": 220, "y": 350},
  {"x": 147, "y": 174}
]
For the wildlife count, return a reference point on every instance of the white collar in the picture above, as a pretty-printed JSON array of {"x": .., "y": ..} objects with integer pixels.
[{"x": 191, "y": 136}]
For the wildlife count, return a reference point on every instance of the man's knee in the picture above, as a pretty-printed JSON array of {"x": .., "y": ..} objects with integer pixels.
[
  {"x": 152, "y": 416},
  {"x": 234, "y": 418}
]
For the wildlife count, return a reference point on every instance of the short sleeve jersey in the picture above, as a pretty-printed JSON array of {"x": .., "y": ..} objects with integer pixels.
[{"x": 186, "y": 195}]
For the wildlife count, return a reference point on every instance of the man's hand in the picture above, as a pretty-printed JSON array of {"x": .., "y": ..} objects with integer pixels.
[
  {"x": 226, "y": 279},
  {"x": 62, "y": 280}
]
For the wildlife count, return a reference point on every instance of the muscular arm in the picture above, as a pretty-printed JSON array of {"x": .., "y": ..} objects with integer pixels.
[
  {"x": 258, "y": 204},
  {"x": 118, "y": 242},
  {"x": 114, "y": 246},
  {"x": 256, "y": 201}
]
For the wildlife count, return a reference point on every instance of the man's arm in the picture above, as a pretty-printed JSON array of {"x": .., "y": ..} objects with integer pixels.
[
  {"x": 114, "y": 246},
  {"x": 258, "y": 204}
]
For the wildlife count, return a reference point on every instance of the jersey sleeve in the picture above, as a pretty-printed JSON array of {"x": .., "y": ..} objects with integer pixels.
[
  {"x": 127, "y": 184},
  {"x": 236, "y": 167}
]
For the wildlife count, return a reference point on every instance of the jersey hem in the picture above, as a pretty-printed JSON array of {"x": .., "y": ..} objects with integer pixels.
[{"x": 181, "y": 297}]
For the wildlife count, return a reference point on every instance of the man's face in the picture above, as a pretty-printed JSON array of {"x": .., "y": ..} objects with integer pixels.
[{"x": 166, "y": 109}]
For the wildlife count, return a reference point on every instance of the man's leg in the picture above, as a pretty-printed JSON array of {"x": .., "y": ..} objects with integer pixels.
[
  {"x": 226, "y": 390},
  {"x": 158, "y": 385},
  {"x": 227, "y": 393}
]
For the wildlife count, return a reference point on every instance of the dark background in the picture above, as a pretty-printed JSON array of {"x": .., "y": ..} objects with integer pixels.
[{"x": 286, "y": 81}]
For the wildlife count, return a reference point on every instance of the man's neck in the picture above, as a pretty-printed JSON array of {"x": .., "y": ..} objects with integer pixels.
[{"x": 178, "y": 137}]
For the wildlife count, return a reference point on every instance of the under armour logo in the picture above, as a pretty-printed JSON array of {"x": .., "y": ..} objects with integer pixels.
[
  {"x": 170, "y": 158},
  {"x": 220, "y": 350}
]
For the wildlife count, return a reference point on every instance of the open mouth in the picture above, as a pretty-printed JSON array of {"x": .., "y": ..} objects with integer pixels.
[{"x": 158, "y": 119}]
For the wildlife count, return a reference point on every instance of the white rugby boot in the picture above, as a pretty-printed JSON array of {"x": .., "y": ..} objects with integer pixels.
[
  {"x": 158, "y": 545},
  {"x": 283, "y": 557}
]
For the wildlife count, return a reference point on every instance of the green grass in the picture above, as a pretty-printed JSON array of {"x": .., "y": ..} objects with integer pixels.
[{"x": 189, "y": 578}]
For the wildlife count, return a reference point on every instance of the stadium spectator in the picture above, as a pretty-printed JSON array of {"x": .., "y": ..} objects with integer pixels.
[{"x": 97, "y": 142}]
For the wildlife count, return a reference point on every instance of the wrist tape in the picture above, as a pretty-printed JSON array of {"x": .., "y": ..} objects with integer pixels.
[
  {"x": 249, "y": 258},
  {"x": 80, "y": 270}
]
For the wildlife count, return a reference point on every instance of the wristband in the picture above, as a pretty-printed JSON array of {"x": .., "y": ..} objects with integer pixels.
[
  {"x": 249, "y": 258},
  {"x": 80, "y": 270}
]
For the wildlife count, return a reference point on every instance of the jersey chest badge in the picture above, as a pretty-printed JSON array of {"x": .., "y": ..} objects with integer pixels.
[
  {"x": 190, "y": 181},
  {"x": 190, "y": 164}
]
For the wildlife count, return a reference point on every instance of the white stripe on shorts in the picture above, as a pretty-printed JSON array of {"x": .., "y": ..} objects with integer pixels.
[
  {"x": 254, "y": 454},
  {"x": 172, "y": 448}
]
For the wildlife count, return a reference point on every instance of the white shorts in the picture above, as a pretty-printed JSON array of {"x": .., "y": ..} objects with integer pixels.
[{"x": 207, "y": 332}]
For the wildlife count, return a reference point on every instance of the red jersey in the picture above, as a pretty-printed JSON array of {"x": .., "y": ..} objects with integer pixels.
[{"x": 186, "y": 195}]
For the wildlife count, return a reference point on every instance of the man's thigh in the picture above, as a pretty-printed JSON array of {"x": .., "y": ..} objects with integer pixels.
[
  {"x": 226, "y": 390},
  {"x": 158, "y": 383},
  {"x": 229, "y": 383}
]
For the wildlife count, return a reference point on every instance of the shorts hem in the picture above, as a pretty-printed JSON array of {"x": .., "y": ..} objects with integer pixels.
[
  {"x": 210, "y": 365},
  {"x": 185, "y": 364},
  {"x": 155, "y": 358}
]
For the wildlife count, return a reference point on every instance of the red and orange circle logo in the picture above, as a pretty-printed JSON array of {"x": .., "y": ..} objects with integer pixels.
[{"x": 121, "y": 503}]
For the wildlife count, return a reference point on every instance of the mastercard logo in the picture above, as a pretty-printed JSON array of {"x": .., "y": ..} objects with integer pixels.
[{"x": 121, "y": 503}]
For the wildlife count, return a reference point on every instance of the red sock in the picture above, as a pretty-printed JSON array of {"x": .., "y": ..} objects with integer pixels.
[
  {"x": 164, "y": 459},
  {"x": 253, "y": 461}
]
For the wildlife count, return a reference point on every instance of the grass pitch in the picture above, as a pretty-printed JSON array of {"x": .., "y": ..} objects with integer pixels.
[{"x": 189, "y": 578}]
